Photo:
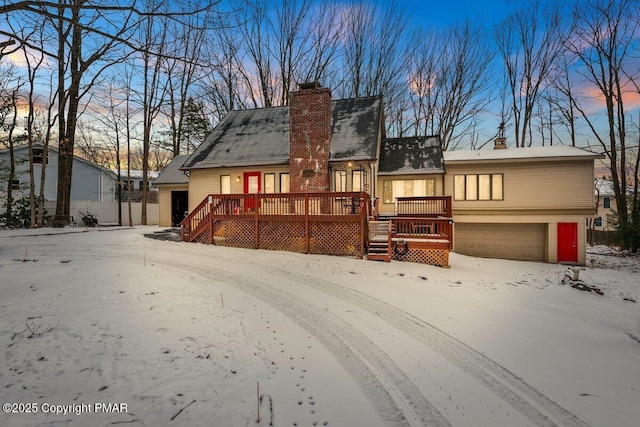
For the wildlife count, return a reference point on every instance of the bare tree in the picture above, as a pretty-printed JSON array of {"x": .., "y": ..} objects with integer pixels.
[
  {"x": 373, "y": 59},
  {"x": 604, "y": 38},
  {"x": 224, "y": 87},
  {"x": 374, "y": 55},
  {"x": 153, "y": 38},
  {"x": 450, "y": 84},
  {"x": 563, "y": 98},
  {"x": 10, "y": 109},
  {"x": 86, "y": 32},
  {"x": 252, "y": 21},
  {"x": 183, "y": 69},
  {"x": 276, "y": 39},
  {"x": 33, "y": 66},
  {"x": 529, "y": 42}
]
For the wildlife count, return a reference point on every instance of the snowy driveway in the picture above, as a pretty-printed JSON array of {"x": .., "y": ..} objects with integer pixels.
[{"x": 183, "y": 333}]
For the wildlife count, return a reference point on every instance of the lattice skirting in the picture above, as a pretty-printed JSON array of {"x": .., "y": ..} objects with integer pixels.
[
  {"x": 281, "y": 236},
  {"x": 339, "y": 238},
  {"x": 439, "y": 257},
  {"x": 325, "y": 238},
  {"x": 205, "y": 237},
  {"x": 238, "y": 233}
]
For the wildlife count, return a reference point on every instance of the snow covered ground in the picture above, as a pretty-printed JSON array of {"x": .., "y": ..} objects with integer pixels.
[{"x": 108, "y": 327}]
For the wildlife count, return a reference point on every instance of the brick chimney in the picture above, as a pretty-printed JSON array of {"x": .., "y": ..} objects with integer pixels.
[
  {"x": 500, "y": 143},
  {"x": 309, "y": 138}
]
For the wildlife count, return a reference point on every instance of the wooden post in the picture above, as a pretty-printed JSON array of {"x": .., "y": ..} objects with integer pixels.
[
  {"x": 390, "y": 239},
  {"x": 306, "y": 223},
  {"x": 210, "y": 219},
  {"x": 256, "y": 228},
  {"x": 363, "y": 223},
  {"x": 258, "y": 389}
]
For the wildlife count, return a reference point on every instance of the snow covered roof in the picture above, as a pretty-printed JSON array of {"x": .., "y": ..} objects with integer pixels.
[
  {"x": 261, "y": 136},
  {"x": 25, "y": 147},
  {"x": 414, "y": 155},
  {"x": 136, "y": 173},
  {"x": 547, "y": 153},
  {"x": 604, "y": 188},
  {"x": 172, "y": 174}
]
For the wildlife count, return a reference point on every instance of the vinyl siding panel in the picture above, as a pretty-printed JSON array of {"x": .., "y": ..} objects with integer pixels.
[
  {"x": 203, "y": 182},
  {"x": 531, "y": 186}
]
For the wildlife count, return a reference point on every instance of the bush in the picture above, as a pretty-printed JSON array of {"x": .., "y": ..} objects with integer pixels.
[{"x": 20, "y": 213}]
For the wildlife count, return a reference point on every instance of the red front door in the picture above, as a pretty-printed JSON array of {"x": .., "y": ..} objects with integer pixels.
[
  {"x": 251, "y": 186},
  {"x": 567, "y": 242}
]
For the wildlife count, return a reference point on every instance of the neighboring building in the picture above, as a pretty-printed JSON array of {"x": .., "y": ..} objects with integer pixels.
[
  {"x": 89, "y": 182},
  {"x": 173, "y": 187},
  {"x": 134, "y": 181},
  {"x": 519, "y": 203},
  {"x": 606, "y": 205}
]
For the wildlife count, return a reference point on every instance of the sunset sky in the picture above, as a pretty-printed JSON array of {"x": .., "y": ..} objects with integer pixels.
[{"x": 438, "y": 14}]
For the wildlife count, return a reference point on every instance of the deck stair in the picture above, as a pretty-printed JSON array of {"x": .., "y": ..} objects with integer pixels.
[{"x": 379, "y": 241}]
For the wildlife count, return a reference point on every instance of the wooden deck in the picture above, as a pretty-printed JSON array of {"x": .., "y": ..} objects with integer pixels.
[{"x": 324, "y": 223}]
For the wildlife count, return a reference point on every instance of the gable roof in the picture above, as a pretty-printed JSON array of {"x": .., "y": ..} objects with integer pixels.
[
  {"x": 412, "y": 155},
  {"x": 522, "y": 154},
  {"x": 604, "y": 188},
  {"x": 261, "y": 136},
  {"x": 24, "y": 147},
  {"x": 172, "y": 174}
]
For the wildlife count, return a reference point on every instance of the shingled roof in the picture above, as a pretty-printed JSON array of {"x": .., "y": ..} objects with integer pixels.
[
  {"x": 412, "y": 155},
  {"x": 172, "y": 174},
  {"x": 261, "y": 136}
]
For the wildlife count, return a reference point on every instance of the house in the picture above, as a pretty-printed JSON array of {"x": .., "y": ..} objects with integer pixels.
[
  {"x": 409, "y": 167},
  {"x": 606, "y": 206},
  {"x": 173, "y": 193},
  {"x": 89, "y": 182},
  {"x": 520, "y": 203},
  {"x": 132, "y": 180},
  {"x": 314, "y": 144}
]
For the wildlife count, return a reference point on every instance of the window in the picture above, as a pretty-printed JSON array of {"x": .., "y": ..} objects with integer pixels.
[
  {"x": 340, "y": 180},
  {"x": 225, "y": 184},
  {"x": 607, "y": 202},
  {"x": 285, "y": 183},
  {"x": 478, "y": 187},
  {"x": 598, "y": 222},
  {"x": 408, "y": 188},
  {"x": 359, "y": 180},
  {"x": 269, "y": 182},
  {"x": 38, "y": 156}
]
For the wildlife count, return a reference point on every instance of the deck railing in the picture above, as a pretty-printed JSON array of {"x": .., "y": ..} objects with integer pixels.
[
  {"x": 306, "y": 210},
  {"x": 435, "y": 230},
  {"x": 429, "y": 207}
]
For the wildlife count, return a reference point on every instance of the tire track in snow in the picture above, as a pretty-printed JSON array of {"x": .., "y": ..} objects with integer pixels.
[
  {"x": 385, "y": 385},
  {"x": 523, "y": 397},
  {"x": 389, "y": 390},
  {"x": 527, "y": 400}
]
